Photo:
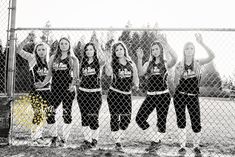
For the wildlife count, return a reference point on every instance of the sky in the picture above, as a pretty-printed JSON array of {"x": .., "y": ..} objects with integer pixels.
[
  {"x": 164, "y": 13},
  {"x": 116, "y": 13}
]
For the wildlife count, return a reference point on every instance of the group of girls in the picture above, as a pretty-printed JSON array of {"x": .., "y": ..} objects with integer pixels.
[{"x": 56, "y": 78}]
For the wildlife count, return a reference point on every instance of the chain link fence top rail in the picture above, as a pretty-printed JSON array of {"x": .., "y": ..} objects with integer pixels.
[{"x": 217, "y": 107}]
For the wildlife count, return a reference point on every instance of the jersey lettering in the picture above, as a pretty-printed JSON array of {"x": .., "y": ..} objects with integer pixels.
[
  {"x": 124, "y": 73},
  {"x": 42, "y": 72},
  {"x": 88, "y": 71},
  {"x": 60, "y": 66}
]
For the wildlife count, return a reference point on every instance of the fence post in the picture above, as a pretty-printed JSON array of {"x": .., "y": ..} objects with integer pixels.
[{"x": 11, "y": 62}]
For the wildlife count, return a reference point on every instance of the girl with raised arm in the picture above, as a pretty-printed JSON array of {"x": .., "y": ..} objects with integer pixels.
[
  {"x": 158, "y": 96},
  {"x": 63, "y": 69},
  {"x": 187, "y": 79},
  {"x": 38, "y": 61}
]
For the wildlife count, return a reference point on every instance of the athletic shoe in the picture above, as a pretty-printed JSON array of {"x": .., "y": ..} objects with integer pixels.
[
  {"x": 62, "y": 142},
  {"x": 197, "y": 152},
  {"x": 94, "y": 142},
  {"x": 54, "y": 142},
  {"x": 86, "y": 145},
  {"x": 153, "y": 146},
  {"x": 38, "y": 142},
  {"x": 182, "y": 151},
  {"x": 118, "y": 147}
]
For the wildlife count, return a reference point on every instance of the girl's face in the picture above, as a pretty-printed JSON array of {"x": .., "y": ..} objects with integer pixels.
[
  {"x": 64, "y": 45},
  {"x": 119, "y": 51},
  {"x": 90, "y": 51},
  {"x": 189, "y": 50},
  {"x": 155, "y": 49},
  {"x": 41, "y": 51}
]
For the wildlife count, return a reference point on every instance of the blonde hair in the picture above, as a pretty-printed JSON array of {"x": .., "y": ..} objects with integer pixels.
[{"x": 47, "y": 51}]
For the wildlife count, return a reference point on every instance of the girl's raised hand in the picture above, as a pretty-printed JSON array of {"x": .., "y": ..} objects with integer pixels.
[
  {"x": 199, "y": 38},
  {"x": 139, "y": 53}
]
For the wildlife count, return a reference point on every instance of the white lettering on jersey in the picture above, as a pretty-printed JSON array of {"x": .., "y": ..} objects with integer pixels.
[
  {"x": 42, "y": 72},
  {"x": 189, "y": 74},
  {"x": 59, "y": 66},
  {"x": 155, "y": 71},
  {"x": 124, "y": 73},
  {"x": 88, "y": 71}
]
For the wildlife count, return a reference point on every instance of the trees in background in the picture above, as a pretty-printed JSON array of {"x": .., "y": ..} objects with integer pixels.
[
  {"x": 211, "y": 77},
  {"x": 47, "y": 34}
]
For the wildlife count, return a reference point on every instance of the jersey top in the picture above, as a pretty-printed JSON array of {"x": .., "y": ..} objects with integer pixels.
[
  {"x": 122, "y": 77},
  {"x": 90, "y": 75}
]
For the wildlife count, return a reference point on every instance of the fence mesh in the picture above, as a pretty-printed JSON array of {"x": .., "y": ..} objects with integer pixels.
[
  {"x": 4, "y": 4},
  {"x": 217, "y": 107}
]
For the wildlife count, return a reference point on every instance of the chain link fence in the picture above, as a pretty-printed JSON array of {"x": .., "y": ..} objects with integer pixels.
[
  {"x": 4, "y": 101},
  {"x": 217, "y": 106},
  {"x": 4, "y": 5}
]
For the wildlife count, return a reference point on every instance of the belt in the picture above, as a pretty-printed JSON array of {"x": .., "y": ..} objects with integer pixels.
[
  {"x": 43, "y": 89},
  {"x": 158, "y": 92},
  {"x": 189, "y": 94},
  {"x": 119, "y": 91},
  {"x": 90, "y": 90}
]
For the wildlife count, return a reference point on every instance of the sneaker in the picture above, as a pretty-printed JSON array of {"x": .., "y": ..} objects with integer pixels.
[
  {"x": 38, "y": 142},
  {"x": 118, "y": 146},
  {"x": 153, "y": 146},
  {"x": 197, "y": 152},
  {"x": 62, "y": 143},
  {"x": 182, "y": 151},
  {"x": 54, "y": 142},
  {"x": 94, "y": 142},
  {"x": 86, "y": 145}
]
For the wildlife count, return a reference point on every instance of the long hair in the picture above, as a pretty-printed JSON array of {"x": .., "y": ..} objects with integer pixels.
[
  {"x": 194, "y": 65},
  {"x": 184, "y": 57},
  {"x": 152, "y": 58},
  {"x": 38, "y": 59},
  {"x": 53, "y": 47},
  {"x": 115, "y": 58},
  {"x": 59, "y": 51},
  {"x": 85, "y": 57}
]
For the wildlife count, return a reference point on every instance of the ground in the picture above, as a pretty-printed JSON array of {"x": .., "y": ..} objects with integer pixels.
[{"x": 218, "y": 134}]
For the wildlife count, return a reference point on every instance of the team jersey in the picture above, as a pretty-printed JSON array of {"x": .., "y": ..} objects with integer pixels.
[
  {"x": 123, "y": 77},
  {"x": 90, "y": 75},
  {"x": 189, "y": 82},
  {"x": 39, "y": 74},
  {"x": 156, "y": 77},
  {"x": 61, "y": 74}
]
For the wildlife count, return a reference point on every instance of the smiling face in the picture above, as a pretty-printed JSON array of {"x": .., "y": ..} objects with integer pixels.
[
  {"x": 64, "y": 45},
  {"x": 120, "y": 51},
  {"x": 189, "y": 50},
  {"x": 41, "y": 51},
  {"x": 90, "y": 51},
  {"x": 155, "y": 50}
]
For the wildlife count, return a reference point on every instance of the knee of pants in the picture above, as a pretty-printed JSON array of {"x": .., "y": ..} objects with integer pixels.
[
  {"x": 125, "y": 121},
  {"x": 196, "y": 128},
  {"x": 51, "y": 119},
  {"x": 124, "y": 125},
  {"x": 143, "y": 124},
  {"x": 114, "y": 122},
  {"x": 37, "y": 119},
  {"x": 161, "y": 127},
  {"x": 85, "y": 121},
  {"x": 181, "y": 124},
  {"x": 93, "y": 121},
  {"x": 67, "y": 119}
]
